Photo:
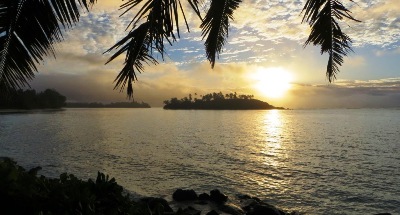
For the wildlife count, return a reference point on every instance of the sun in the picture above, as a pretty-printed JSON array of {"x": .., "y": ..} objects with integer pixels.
[{"x": 273, "y": 82}]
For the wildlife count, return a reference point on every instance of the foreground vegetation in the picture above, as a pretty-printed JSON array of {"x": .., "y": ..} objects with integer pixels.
[
  {"x": 218, "y": 101},
  {"x": 23, "y": 192}
]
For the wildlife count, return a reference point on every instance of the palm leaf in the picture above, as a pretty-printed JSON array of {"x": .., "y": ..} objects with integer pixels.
[
  {"x": 215, "y": 26},
  {"x": 326, "y": 32},
  {"x": 28, "y": 31},
  {"x": 159, "y": 26},
  {"x": 162, "y": 16},
  {"x": 137, "y": 53},
  {"x": 195, "y": 6}
]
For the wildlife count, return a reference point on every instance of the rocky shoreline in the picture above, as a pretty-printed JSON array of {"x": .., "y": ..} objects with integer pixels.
[
  {"x": 188, "y": 202},
  {"x": 24, "y": 192}
]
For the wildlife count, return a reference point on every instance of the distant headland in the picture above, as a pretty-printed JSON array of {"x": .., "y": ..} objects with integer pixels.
[
  {"x": 132, "y": 104},
  {"x": 30, "y": 99},
  {"x": 50, "y": 99},
  {"x": 218, "y": 101}
]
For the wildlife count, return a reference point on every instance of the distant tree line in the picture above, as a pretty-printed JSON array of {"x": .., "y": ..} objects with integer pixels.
[
  {"x": 132, "y": 104},
  {"x": 218, "y": 101},
  {"x": 30, "y": 99}
]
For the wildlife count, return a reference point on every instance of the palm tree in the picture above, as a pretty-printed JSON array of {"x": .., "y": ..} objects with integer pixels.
[{"x": 29, "y": 28}]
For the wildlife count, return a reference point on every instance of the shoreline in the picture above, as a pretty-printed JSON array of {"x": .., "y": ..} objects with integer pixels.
[
  {"x": 10, "y": 111},
  {"x": 71, "y": 195},
  {"x": 25, "y": 192}
]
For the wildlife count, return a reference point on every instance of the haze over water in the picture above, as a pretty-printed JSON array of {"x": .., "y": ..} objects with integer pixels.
[{"x": 315, "y": 161}]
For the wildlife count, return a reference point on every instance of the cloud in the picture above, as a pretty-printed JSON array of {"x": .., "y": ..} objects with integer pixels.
[
  {"x": 258, "y": 26},
  {"x": 85, "y": 78},
  {"x": 261, "y": 31},
  {"x": 355, "y": 61},
  {"x": 91, "y": 86},
  {"x": 379, "y": 93},
  {"x": 272, "y": 20},
  {"x": 380, "y": 24},
  {"x": 155, "y": 85},
  {"x": 386, "y": 52}
]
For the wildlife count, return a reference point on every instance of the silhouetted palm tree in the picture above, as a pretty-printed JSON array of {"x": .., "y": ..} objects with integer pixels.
[{"x": 29, "y": 28}]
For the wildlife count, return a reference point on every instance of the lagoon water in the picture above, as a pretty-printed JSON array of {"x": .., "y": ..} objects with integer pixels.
[{"x": 344, "y": 161}]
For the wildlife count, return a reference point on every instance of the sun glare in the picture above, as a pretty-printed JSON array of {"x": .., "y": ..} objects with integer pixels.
[{"x": 272, "y": 82}]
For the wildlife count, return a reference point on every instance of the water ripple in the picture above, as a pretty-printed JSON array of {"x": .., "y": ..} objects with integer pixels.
[{"x": 315, "y": 161}]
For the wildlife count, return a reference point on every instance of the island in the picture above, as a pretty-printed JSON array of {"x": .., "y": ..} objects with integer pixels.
[
  {"x": 218, "y": 101},
  {"x": 30, "y": 99},
  {"x": 132, "y": 104},
  {"x": 26, "y": 100}
]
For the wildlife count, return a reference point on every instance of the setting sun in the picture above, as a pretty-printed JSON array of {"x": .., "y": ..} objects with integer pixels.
[{"x": 272, "y": 82}]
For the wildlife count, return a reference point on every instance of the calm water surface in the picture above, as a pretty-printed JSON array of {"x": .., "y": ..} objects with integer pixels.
[{"x": 315, "y": 161}]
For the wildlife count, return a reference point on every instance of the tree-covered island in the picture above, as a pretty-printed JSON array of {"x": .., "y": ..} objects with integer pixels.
[
  {"x": 218, "y": 101},
  {"x": 51, "y": 99},
  {"x": 30, "y": 99}
]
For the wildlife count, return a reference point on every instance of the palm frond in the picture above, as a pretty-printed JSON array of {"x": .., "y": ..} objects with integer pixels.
[
  {"x": 28, "y": 30},
  {"x": 195, "y": 6},
  {"x": 162, "y": 15},
  {"x": 326, "y": 32},
  {"x": 215, "y": 26},
  {"x": 160, "y": 25},
  {"x": 137, "y": 53}
]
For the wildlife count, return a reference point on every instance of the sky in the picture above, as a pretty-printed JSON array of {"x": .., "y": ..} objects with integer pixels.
[{"x": 266, "y": 38}]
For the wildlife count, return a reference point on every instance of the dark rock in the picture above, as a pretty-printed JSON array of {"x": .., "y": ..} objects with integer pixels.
[
  {"x": 217, "y": 196},
  {"x": 281, "y": 212},
  {"x": 294, "y": 213},
  {"x": 201, "y": 202},
  {"x": 247, "y": 197},
  {"x": 248, "y": 203},
  {"x": 153, "y": 203},
  {"x": 247, "y": 208},
  {"x": 264, "y": 209},
  {"x": 191, "y": 211},
  {"x": 184, "y": 195},
  {"x": 204, "y": 197},
  {"x": 254, "y": 206},
  {"x": 213, "y": 212},
  {"x": 243, "y": 196},
  {"x": 231, "y": 209}
]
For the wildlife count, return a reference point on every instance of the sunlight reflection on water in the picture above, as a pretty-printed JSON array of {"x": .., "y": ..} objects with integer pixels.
[
  {"x": 320, "y": 162},
  {"x": 273, "y": 130},
  {"x": 273, "y": 152}
]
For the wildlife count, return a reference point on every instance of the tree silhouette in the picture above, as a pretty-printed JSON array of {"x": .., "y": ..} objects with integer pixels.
[
  {"x": 29, "y": 99},
  {"x": 29, "y": 29},
  {"x": 217, "y": 101}
]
